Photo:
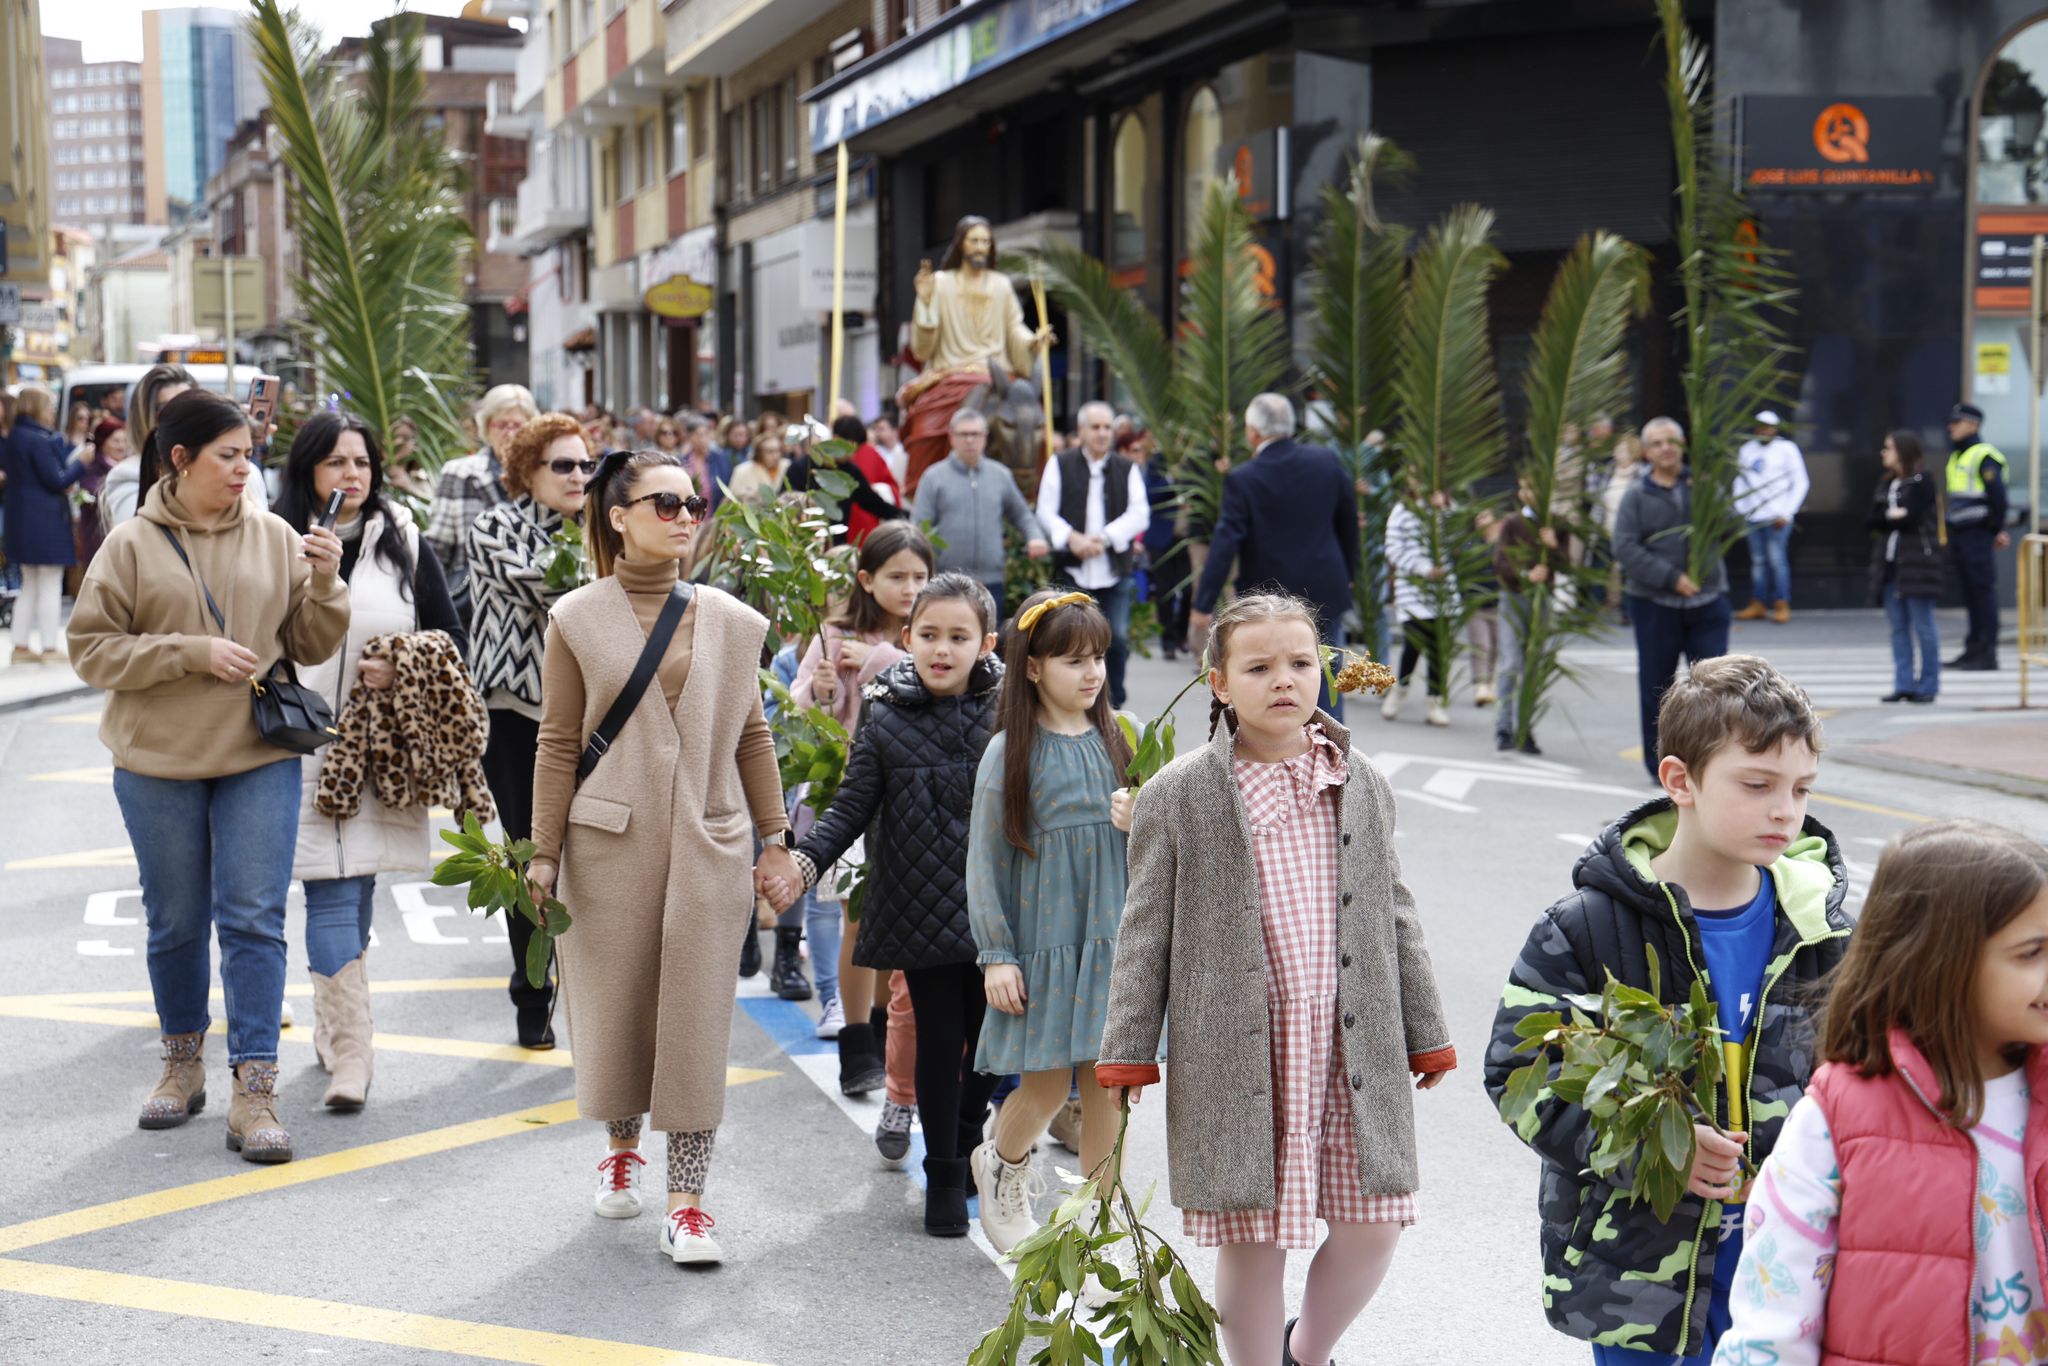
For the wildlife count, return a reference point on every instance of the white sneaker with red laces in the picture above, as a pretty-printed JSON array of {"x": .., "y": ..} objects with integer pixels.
[
  {"x": 618, "y": 1184},
  {"x": 686, "y": 1237}
]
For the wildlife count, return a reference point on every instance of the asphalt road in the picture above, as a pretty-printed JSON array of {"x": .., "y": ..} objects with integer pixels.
[{"x": 450, "y": 1219}]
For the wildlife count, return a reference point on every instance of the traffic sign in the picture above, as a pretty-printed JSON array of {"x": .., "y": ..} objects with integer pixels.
[
  {"x": 10, "y": 304},
  {"x": 39, "y": 318}
]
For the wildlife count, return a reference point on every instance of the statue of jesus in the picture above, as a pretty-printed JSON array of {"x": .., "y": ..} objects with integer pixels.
[{"x": 968, "y": 332}]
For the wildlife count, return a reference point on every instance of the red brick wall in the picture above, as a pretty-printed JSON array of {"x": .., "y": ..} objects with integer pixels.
[
  {"x": 678, "y": 203},
  {"x": 615, "y": 46},
  {"x": 622, "y": 230}
]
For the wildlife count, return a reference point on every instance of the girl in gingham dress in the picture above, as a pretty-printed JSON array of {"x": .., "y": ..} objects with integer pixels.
[{"x": 1290, "y": 775}]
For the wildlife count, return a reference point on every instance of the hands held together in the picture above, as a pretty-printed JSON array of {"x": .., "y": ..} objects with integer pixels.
[{"x": 776, "y": 878}]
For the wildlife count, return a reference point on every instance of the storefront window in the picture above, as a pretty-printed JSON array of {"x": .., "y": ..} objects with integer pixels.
[
  {"x": 2011, "y": 166},
  {"x": 1127, "y": 194},
  {"x": 1201, "y": 139}
]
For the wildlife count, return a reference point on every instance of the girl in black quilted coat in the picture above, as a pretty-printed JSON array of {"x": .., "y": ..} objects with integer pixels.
[{"x": 909, "y": 787}]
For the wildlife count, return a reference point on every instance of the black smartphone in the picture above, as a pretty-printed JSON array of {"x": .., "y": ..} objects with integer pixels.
[{"x": 331, "y": 511}]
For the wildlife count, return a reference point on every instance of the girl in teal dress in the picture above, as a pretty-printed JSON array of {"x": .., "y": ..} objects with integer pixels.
[{"x": 1045, "y": 889}]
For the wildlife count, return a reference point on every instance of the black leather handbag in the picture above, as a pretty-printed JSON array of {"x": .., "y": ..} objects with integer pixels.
[{"x": 288, "y": 714}]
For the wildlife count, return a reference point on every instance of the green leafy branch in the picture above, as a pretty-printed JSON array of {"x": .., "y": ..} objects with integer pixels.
[
  {"x": 496, "y": 875},
  {"x": 569, "y": 566},
  {"x": 1152, "y": 748},
  {"x": 1154, "y": 1312},
  {"x": 1645, "y": 1073}
]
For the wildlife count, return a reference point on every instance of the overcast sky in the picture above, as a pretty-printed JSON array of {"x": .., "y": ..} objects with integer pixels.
[{"x": 112, "y": 29}]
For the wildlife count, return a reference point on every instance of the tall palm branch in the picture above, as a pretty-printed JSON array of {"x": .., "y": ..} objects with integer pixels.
[
  {"x": 1447, "y": 399},
  {"x": 1738, "y": 298},
  {"x": 1578, "y": 369},
  {"x": 1356, "y": 281},
  {"x": 382, "y": 237}
]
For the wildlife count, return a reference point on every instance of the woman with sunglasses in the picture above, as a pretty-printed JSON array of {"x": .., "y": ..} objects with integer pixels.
[
  {"x": 659, "y": 836},
  {"x": 508, "y": 550}
]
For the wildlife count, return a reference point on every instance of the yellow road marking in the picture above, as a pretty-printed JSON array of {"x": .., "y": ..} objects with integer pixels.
[
  {"x": 28, "y": 1008},
  {"x": 178, "y": 1199},
  {"x": 76, "y": 718},
  {"x": 1853, "y": 805},
  {"x": 329, "y": 1318},
  {"x": 102, "y": 776},
  {"x": 396, "y": 986},
  {"x": 123, "y": 857}
]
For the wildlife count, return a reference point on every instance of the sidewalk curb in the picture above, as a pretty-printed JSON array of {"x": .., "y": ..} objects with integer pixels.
[
  {"x": 71, "y": 694},
  {"x": 2012, "y": 785}
]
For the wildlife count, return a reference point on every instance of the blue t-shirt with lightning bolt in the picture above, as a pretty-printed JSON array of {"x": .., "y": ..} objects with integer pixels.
[{"x": 1737, "y": 945}]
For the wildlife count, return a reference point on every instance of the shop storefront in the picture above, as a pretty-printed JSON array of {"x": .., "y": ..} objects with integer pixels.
[{"x": 786, "y": 310}]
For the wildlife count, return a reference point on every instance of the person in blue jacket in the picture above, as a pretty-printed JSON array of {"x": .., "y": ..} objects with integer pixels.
[{"x": 40, "y": 472}]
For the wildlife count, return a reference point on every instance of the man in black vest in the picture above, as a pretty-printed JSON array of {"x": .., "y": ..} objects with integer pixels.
[{"x": 1093, "y": 507}]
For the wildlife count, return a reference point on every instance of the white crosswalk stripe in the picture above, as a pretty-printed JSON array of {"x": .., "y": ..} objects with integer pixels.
[{"x": 1855, "y": 677}]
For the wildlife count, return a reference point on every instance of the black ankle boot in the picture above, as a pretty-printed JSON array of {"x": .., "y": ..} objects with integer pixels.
[
  {"x": 878, "y": 1020},
  {"x": 860, "y": 1069},
  {"x": 750, "y": 953},
  {"x": 786, "y": 976},
  {"x": 945, "y": 1197}
]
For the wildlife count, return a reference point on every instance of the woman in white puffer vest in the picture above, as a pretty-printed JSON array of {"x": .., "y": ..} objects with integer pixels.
[{"x": 395, "y": 586}]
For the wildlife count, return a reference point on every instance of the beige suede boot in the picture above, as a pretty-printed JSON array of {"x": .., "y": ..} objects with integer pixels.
[
  {"x": 341, "y": 1006},
  {"x": 181, "y": 1091},
  {"x": 253, "y": 1127}
]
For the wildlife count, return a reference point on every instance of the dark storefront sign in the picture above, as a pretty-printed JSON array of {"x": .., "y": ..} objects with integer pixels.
[
  {"x": 999, "y": 32},
  {"x": 1800, "y": 143}
]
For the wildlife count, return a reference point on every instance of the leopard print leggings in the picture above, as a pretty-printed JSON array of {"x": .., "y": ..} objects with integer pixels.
[{"x": 689, "y": 1154}]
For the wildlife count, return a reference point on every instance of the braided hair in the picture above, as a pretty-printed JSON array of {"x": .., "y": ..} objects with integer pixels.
[{"x": 1250, "y": 609}]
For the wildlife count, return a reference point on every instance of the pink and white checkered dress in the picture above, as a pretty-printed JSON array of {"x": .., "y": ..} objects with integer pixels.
[{"x": 1293, "y": 809}]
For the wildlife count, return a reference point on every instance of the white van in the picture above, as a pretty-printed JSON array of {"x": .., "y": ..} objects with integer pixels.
[{"x": 90, "y": 384}]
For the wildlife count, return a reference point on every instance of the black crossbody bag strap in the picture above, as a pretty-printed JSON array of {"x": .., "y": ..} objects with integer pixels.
[
  {"x": 213, "y": 606},
  {"x": 644, "y": 670}
]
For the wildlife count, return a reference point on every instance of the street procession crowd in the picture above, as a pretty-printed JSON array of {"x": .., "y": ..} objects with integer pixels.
[{"x": 1866, "y": 1182}]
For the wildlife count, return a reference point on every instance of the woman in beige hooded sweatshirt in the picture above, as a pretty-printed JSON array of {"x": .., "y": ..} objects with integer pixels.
[{"x": 211, "y": 809}]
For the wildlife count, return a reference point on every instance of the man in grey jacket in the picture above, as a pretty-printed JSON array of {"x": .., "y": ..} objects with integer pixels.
[
  {"x": 966, "y": 498},
  {"x": 1673, "y": 615}
]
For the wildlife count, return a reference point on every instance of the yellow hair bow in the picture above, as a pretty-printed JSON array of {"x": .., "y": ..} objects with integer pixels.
[{"x": 1029, "y": 617}]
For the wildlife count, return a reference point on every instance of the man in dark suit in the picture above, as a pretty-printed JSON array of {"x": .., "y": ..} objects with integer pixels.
[{"x": 1289, "y": 521}]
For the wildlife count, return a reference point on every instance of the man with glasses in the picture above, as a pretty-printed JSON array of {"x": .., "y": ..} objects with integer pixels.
[
  {"x": 710, "y": 468},
  {"x": 966, "y": 498},
  {"x": 471, "y": 485},
  {"x": 1673, "y": 614}
]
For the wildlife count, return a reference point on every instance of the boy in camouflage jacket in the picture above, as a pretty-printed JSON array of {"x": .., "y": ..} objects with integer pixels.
[{"x": 1640, "y": 1289}]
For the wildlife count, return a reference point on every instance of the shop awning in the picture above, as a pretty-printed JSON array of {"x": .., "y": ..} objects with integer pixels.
[
  {"x": 986, "y": 56},
  {"x": 582, "y": 339}
]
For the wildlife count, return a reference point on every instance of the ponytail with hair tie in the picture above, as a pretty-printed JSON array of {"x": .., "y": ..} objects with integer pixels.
[{"x": 608, "y": 467}]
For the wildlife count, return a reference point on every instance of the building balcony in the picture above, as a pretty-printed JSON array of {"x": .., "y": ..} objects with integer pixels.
[
  {"x": 503, "y": 220},
  {"x": 617, "y": 75},
  {"x": 530, "y": 73},
  {"x": 718, "y": 37},
  {"x": 502, "y": 116},
  {"x": 554, "y": 199},
  {"x": 528, "y": 10}
]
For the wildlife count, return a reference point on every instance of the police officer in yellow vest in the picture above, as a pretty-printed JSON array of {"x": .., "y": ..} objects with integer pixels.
[{"x": 1975, "y": 518}]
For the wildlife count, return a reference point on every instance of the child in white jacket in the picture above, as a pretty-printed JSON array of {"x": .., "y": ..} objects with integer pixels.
[{"x": 1423, "y": 590}]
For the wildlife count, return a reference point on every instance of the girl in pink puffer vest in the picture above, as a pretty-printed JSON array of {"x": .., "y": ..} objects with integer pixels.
[{"x": 1899, "y": 1221}]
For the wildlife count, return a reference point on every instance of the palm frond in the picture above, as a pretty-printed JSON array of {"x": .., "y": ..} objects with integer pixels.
[
  {"x": 1578, "y": 367},
  {"x": 1738, "y": 297},
  {"x": 1355, "y": 286},
  {"x": 1113, "y": 321},
  {"x": 383, "y": 240},
  {"x": 1445, "y": 393}
]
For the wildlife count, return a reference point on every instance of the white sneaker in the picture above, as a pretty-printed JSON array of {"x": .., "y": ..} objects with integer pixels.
[
  {"x": 1391, "y": 708},
  {"x": 285, "y": 1018},
  {"x": 1484, "y": 695},
  {"x": 1437, "y": 715},
  {"x": 686, "y": 1237},
  {"x": 833, "y": 1020},
  {"x": 1006, "y": 1191},
  {"x": 1121, "y": 1255},
  {"x": 618, "y": 1184}
]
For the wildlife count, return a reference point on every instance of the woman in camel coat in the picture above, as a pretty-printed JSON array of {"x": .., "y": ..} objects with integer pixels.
[{"x": 655, "y": 848}]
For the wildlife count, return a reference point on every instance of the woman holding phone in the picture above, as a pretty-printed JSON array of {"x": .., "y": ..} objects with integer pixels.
[
  {"x": 509, "y": 548},
  {"x": 211, "y": 808},
  {"x": 395, "y": 587}
]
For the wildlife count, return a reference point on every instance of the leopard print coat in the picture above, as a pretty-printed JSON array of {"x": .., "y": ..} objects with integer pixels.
[{"x": 418, "y": 743}]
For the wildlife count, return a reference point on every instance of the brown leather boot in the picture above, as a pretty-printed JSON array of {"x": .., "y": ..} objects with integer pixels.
[
  {"x": 181, "y": 1091},
  {"x": 1756, "y": 611},
  {"x": 1781, "y": 611},
  {"x": 341, "y": 1008},
  {"x": 253, "y": 1127}
]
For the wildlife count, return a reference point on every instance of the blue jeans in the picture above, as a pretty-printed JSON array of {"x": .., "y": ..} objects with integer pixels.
[
  {"x": 216, "y": 854},
  {"x": 822, "y": 924},
  {"x": 1662, "y": 635},
  {"x": 1115, "y": 602},
  {"x": 1913, "y": 619},
  {"x": 337, "y": 921},
  {"x": 1770, "y": 567}
]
